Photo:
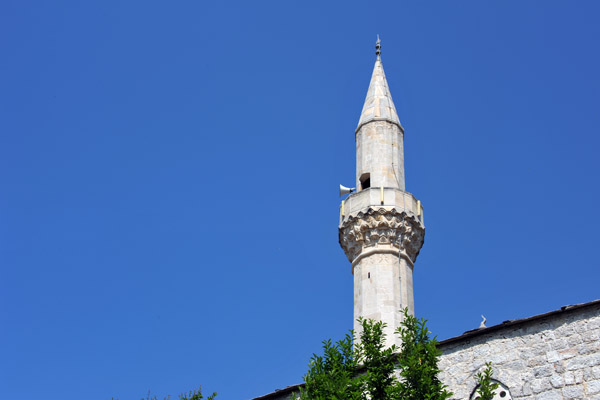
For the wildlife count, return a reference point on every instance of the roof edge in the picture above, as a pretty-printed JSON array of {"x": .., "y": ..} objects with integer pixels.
[
  {"x": 515, "y": 322},
  {"x": 279, "y": 392}
]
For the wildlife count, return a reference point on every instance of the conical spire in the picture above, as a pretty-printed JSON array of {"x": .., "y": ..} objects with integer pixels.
[{"x": 378, "y": 104}]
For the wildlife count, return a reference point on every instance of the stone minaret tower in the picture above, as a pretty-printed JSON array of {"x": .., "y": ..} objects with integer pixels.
[{"x": 381, "y": 225}]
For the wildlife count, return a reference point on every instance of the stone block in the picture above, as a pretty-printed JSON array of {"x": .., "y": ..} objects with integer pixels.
[
  {"x": 593, "y": 387},
  {"x": 550, "y": 395},
  {"x": 573, "y": 392},
  {"x": 540, "y": 385}
]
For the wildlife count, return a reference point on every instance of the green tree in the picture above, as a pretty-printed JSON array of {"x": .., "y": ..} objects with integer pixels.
[
  {"x": 364, "y": 369},
  {"x": 195, "y": 394},
  {"x": 332, "y": 375},
  {"x": 377, "y": 361},
  {"x": 486, "y": 387},
  {"x": 418, "y": 362}
]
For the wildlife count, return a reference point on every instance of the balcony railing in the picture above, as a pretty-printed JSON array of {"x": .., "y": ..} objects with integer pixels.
[{"x": 386, "y": 197}]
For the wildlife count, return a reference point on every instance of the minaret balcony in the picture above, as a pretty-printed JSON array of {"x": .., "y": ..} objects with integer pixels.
[{"x": 377, "y": 198}]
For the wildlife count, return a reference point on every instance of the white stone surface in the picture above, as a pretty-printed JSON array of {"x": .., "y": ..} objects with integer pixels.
[
  {"x": 392, "y": 198},
  {"x": 381, "y": 226},
  {"x": 378, "y": 103},
  {"x": 553, "y": 358},
  {"x": 380, "y": 136},
  {"x": 380, "y": 153},
  {"x": 383, "y": 287}
]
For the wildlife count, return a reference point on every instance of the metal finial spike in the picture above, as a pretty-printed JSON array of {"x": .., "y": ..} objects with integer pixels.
[{"x": 378, "y": 47}]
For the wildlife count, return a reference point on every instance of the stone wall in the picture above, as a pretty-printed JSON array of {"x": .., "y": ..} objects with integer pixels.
[{"x": 552, "y": 356}]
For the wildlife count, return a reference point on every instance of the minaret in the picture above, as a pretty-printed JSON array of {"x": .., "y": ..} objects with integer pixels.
[{"x": 381, "y": 225}]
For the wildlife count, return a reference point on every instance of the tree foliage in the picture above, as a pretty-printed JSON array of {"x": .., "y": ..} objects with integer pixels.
[
  {"x": 332, "y": 375},
  {"x": 486, "y": 387},
  {"x": 378, "y": 362},
  {"x": 364, "y": 369},
  {"x": 195, "y": 394},
  {"x": 418, "y": 362}
]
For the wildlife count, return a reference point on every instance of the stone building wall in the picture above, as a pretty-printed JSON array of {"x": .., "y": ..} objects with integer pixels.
[{"x": 549, "y": 356}]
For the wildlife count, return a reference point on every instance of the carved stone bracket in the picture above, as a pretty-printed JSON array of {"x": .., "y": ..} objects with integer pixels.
[{"x": 381, "y": 228}]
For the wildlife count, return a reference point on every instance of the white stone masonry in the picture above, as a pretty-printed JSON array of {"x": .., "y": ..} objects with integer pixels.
[
  {"x": 557, "y": 357},
  {"x": 381, "y": 226}
]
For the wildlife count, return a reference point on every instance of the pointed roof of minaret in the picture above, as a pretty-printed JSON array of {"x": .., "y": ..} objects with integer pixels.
[{"x": 378, "y": 104}]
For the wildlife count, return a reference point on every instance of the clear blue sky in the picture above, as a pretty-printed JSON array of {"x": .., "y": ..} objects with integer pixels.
[{"x": 169, "y": 172}]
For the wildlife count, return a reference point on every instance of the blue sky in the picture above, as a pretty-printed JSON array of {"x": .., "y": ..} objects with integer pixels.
[{"x": 169, "y": 172}]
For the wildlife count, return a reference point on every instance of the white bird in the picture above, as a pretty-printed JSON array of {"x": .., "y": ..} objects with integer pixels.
[{"x": 482, "y": 324}]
